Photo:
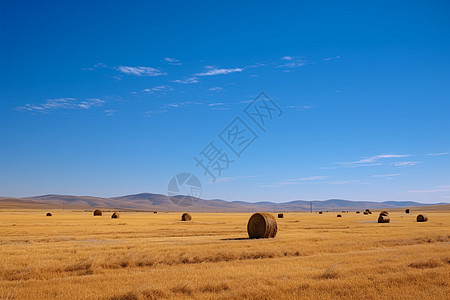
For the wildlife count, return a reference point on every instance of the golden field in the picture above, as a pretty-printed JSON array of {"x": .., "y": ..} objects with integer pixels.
[{"x": 74, "y": 255}]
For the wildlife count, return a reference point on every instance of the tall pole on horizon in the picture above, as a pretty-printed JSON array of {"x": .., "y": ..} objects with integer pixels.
[{"x": 310, "y": 206}]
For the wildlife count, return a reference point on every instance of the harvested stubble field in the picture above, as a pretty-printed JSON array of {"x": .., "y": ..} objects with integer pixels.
[{"x": 74, "y": 255}]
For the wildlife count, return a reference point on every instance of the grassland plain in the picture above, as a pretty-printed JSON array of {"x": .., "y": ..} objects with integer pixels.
[{"x": 74, "y": 255}]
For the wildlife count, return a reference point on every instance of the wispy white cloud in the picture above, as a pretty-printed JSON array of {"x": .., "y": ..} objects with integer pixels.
[
  {"x": 385, "y": 175},
  {"x": 292, "y": 62},
  {"x": 159, "y": 88},
  {"x": 217, "y": 88},
  {"x": 332, "y": 58},
  {"x": 187, "y": 80},
  {"x": 343, "y": 181},
  {"x": 373, "y": 160},
  {"x": 216, "y": 104},
  {"x": 441, "y": 188},
  {"x": 140, "y": 71},
  {"x": 172, "y": 61},
  {"x": 110, "y": 112},
  {"x": 228, "y": 179},
  {"x": 299, "y": 107},
  {"x": 181, "y": 104},
  {"x": 62, "y": 103},
  {"x": 438, "y": 154},
  {"x": 407, "y": 163},
  {"x": 211, "y": 71}
]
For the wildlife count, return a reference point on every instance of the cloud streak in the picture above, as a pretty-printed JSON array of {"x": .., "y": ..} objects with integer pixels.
[
  {"x": 62, "y": 103},
  {"x": 212, "y": 71},
  {"x": 139, "y": 71}
]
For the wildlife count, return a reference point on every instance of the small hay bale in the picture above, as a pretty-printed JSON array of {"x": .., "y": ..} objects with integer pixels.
[
  {"x": 97, "y": 212},
  {"x": 339, "y": 216},
  {"x": 358, "y": 212},
  {"x": 186, "y": 217},
  {"x": 49, "y": 214},
  {"x": 262, "y": 225},
  {"x": 383, "y": 219},
  {"x": 280, "y": 216},
  {"x": 115, "y": 215},
  {"x": 155, "y": 212},
  {"x": 422, "y": 218},
  {"x": 366, "y": 213},
  {"x": 384, "y": 213},
  {"x": 320, "y": 212},
  {"x": 407, "y": 211}
]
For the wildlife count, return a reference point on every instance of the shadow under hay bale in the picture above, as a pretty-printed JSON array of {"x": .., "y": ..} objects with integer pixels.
[
  {"x": 97, "y": 212},
  {"x": 422, "y": 218},
  {"x": 339, "y": 216},
  {"x": 48, "y": 214},
  {"x": 186, "y": 217},
  {"x": 407, "y": 211},
  {"x": 115, "y": 215},
  {"x": 262, "y": 225},
  {"x": 280, "y": 216},
  {"x": 383, "y": 219}
]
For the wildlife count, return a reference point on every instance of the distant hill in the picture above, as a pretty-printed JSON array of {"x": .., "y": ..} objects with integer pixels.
[{"x": 159, "y": 202}]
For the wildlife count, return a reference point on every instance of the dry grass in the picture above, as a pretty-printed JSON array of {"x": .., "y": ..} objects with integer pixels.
[{"x": 152, "y": 256}]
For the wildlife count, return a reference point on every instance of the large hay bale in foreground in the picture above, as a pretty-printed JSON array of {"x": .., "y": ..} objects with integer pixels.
[
  {"x": 407, "y": 211},
  {"x": 115, "y": 215},
  {"x": 186, "y": 217},
  {"x": 384, "y": 213},
  {"x": 97, "y": 212},
  {"x": 384, "y": 219},
  {"x": 280, "y": 216},
  {"x": 422, "y": 218},
  {"x": 262, "y": 225}
]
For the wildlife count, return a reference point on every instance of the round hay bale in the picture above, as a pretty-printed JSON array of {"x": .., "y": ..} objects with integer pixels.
[
  {"x": 49, "y": 214},
  {"x": 97, "y": 212},
  {"x": 358, "y": 212},
  {"x": 115, "y": 215},
  {"x": 339, "y": 216},
  {"x": 422, "y": 218},
  {"x": 407, "y": 211},
  {"x": 280, "y": 216},
  {"x": 384, "y": 213},
  {"x": 186, "y": 217},
  {"x": 366, "y": 213},
  {"x": 155, "y": 212},
  {"x": 320, "y": 212},
  {"x": 383, "y": 219},
  {"x": 262, "y": 225}
]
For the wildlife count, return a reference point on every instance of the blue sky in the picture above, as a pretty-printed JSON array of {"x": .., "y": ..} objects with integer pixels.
[{"x": 112, "y": 98}]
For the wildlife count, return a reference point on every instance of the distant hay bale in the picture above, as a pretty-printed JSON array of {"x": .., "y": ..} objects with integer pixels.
[
  {"x": 155, "y": 212},
  {"x": 358, "y": 212},
  {"x": 280, "y": 216},
  {"x": 407, "y": 211},
  {"x": 186, "y": 217},
  {"x": 97, "y": 212},
  {"x": 320, "y": 212},
  {"x": 49, "y": 214},
  {"x": 422, "y": 218},
  {"x": 384, "y": 213},
  {"x": 383, "y": 219},
  {"x": 339, "y": 216},
  {"x": 366, "y": 213},
  {"x": 115, "y": 215},
  {"x": 262, "y": 225}
]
